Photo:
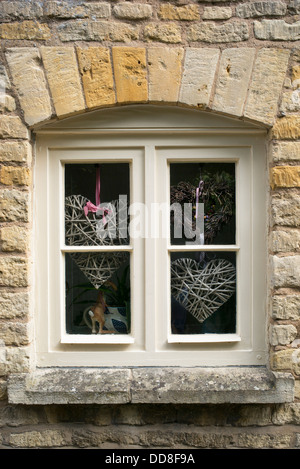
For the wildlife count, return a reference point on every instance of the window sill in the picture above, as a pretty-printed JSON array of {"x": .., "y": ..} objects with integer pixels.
[{"x": 238, "y": 385}]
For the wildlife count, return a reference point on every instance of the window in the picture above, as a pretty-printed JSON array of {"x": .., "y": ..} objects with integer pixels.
[{"x": 154, "y": 223}]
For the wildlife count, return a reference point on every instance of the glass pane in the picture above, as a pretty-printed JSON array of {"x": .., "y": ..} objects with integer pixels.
[
  {"x": 202, "y": 203},
  {"x": 203, "y": 292},
  {"x": 98, "y": 293},
  {"x": 96, "y": 204}
]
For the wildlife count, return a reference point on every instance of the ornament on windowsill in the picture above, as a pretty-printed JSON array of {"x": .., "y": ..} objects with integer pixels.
[{"x": 88, "y": 224}]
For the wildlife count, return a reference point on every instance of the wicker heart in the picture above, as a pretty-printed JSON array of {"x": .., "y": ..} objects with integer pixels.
[
  {"x": 88, "y": 230},
  {"x": 99, "y": 267},
  {"x": 202, "y": 290},
  {"x": 82, "y": 230}
]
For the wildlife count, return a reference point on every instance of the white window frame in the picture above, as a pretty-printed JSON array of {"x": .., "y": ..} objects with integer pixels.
[{"x": 149, "y": 149}]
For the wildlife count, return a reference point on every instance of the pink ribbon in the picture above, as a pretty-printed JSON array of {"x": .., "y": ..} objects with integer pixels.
[{"x": 90, "y": 207}]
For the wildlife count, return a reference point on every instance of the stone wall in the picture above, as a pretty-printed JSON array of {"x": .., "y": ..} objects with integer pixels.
[{"x": 237, "y": 58}]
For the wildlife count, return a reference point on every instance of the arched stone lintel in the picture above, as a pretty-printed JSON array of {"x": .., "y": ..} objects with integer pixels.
[{"x": 58, "y": 82}]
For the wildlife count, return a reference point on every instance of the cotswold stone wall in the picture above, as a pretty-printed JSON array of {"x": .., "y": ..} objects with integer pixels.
[{"x": 237, "y": 58}]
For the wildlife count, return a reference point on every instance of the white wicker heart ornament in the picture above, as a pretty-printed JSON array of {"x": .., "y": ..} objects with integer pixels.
[
  {"x": 202, "y": 291},
  {"x": 87, "y": 224}
]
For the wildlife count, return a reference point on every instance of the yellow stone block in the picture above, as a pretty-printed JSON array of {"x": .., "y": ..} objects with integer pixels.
[
  {"x": 287, "y": 127},
  {"x": 10, "y": 175},
  {"x": 183, "y": 13},
  {"x": 97, "y": 76},
  {"x": 285, "y": 176},
  {"x": 130, "y": 74},
  {"x": 165, "y": 69},
  {"x": 64, "y": 79},
  {"x": 30, "y": 30}
]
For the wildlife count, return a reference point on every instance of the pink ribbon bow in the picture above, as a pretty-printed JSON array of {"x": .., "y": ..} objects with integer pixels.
[{"x": 90, "y": 207}]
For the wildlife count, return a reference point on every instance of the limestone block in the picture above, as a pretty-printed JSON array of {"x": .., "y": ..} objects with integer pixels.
[
  {"x": 79, "y": 30},
  {"x": 285, "y": 176},
  {"x": 283, "y": 334},
  {"x": 286, "y": 151},
  {"x": 97, "y": 76},
  {"x": 277, "y": 30},
  {"x": 116, "y": 32},
  {"x": 20, "y": 9},
  {"x": 233, "y": 80},
  {"x": 256, "y": 9},
  {"x": 287, "y": 128},
  {"x": 64, "y": 9},
  {"x": 165, "y": 67},
  {"x": 30, "y": 30},
  {"x": 286, "y": 271},
  {"x": 12, "y": 175},
  {"x": 217, "y": 33},
  {"x": 290, "y": 101},
  {"x": 18, "y": 359},
  {"x": 294, "y": 7},
  {"x": 167, "y": 32},
  {"x": 285, "y": 209},
  {"x": 198, "y": 76},
  {"x": 296, "y": 76},
  {"x": 286, "y": 307},
  {"x": 285, "y": 240},
  {"x": 266, "y": 84},
  {"x": 15, "y": 152},
  {"x": 132, "y": 11},
  {"x": 63, "y": 78},
  {"x": 282, "y": 360},
  {"x": 39, "y": 439},
  {"x": 14, "y": 238},
  {"x": 181, "y": 13},
  {"x": 7, "y": 103},
  {"x": 28, "y": 77},
  {"x": 217, "y": 13},
  {"x": 14, "y": 305},
  {"x": 14, "y": 205},
  {"x": 130, "y": 74},
  {"x": 4, "y": 80},
  {"x": 12, "y": 127},
  {"x": 97, "y": 9},
  {"x": 13, "y": 272}
]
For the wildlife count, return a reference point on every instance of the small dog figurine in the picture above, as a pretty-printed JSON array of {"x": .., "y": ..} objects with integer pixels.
[{"x": 96, "y": 313}]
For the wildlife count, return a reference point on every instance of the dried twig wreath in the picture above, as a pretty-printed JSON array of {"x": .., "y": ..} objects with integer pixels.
[
  {"x": 218, "y": 196},
  {"x": 202, "y": 290}
]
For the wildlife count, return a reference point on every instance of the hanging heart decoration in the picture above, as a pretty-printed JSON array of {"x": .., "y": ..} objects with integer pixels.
[
  {"x": 99, "y": 267},
  {"x": 202, "y": 291},
  {"x": 87, "y": 224}
]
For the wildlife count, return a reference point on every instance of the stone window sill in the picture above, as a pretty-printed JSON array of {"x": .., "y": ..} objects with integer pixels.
[{"x": 239, "y": 385}]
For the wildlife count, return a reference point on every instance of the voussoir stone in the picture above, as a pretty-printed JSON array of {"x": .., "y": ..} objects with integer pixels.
[
  {"x": 63, "y": 78},
  {"x": 233, "y": 80},
  {"x": 198, "y": 76},
  {"x": 165, "y": 67},
  {"x": 97, "y": 76},
  {"x": 130, "y": 74},
  {"x": 266, "y": 84},
  {"x": 29, "y": 79}
]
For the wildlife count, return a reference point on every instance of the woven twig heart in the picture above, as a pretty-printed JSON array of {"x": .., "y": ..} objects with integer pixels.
[
  {"x": 202, "y": 290},
  {"x": 99, "y": 267},
  {"x": 88, "y": 230}
]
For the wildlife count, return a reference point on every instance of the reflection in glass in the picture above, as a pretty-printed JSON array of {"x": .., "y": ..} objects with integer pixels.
[
  {"x": 98, "y": 293},
  {"x": 203, "y": 292},
  {"x": 202, "y": 203},
  {"x": 96, "y": 204}
]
